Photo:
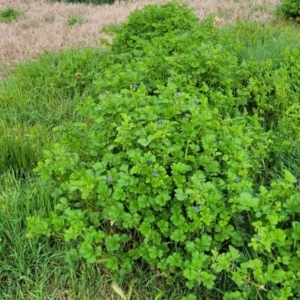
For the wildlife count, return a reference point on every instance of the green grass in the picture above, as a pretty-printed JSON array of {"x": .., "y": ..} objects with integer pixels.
[
  {"x": 46, "y": 91},
  {"x": 263, "y": 42},
  {"x": 73, "y": 20},
  {"x": 37, "y": 97},
  {"x": 21, "y": 146},
  {"x": 8, "y": 15}
]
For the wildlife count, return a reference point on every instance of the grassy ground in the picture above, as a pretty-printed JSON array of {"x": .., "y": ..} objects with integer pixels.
[{"x": 40, "y": 95}]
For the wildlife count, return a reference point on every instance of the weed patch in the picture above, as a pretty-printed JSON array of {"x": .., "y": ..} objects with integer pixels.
[
  {"x": 73, "y": 20},
  {"x": 290, "y": 8},
  {"x": 8, "y": 15},
  {"x": 167, "y": 164}
]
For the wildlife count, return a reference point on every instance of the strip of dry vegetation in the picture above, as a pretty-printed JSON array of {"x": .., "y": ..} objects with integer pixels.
[{"x": 43, "y": 25}]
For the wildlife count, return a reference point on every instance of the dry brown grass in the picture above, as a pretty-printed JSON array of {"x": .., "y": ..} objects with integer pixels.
[{"x": 43, "y": 26}]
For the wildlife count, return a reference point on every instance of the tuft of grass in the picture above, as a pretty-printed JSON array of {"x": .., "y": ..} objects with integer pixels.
[
  {"x": 73, "y": 20},
  {"x": 264, "y": 41},
  {"x": 47, "y": 90},
  {"x": 21, "y": 146},
  {"x": 290, "y": 160},
  {"x": 8, "y": 15}
]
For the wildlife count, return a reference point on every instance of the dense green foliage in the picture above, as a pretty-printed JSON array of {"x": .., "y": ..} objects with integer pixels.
[
  {"x": 290, "y": 8},
  {"x": 166, "y": 165},
  {"x": 175, "y": 158}
]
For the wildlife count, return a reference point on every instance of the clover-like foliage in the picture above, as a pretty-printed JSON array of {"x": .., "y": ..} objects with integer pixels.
[
  {"x": 166, "y": 163},
  {"x": 290, "y": 8}
]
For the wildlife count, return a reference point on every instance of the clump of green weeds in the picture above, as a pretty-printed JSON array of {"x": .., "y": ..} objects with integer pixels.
[
  {"x": 73, "y": 20},
  {"x": 290, "y": 8},
  {"x": 167, "y": 163},
  {"x": 8, "y": 15}
]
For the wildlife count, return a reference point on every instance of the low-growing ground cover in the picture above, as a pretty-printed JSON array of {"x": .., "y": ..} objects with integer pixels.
[{"x": 173, "y": 166}]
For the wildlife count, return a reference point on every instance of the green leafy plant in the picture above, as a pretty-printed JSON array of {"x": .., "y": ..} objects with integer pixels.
[
  {"x": 153, "y": 21},
  {"x": 9, "y": 14},
  {"x": 167, "y": 163},
  {"x": 290, "y": 8}
]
